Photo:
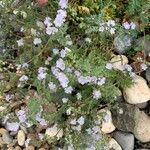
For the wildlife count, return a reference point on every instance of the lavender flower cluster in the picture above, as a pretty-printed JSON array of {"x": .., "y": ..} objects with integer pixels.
[{"x": 53, "y": 26}]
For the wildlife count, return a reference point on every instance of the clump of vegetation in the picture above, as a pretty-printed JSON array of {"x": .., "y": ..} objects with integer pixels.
[{"x": 55, "y": 64}]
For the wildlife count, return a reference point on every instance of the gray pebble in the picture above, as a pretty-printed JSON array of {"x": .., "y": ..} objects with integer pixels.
[
  {"x": 124, "y": 139},
  {"x": 7, "y": 138},
  {"x": 147, "y": 74}
]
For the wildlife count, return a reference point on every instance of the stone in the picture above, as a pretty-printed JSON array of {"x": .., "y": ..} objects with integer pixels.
[
  {"x": 12, "y": 144},
  {"x": 7, "y": 138},
  {"x": 21, "y": 137},
  {"x": 124, "y": 120},
  {"x": 122, "y": 42},
  {"x": 18, "y": 148},
  {"x": 119, "y": 61},
  {"x": 11, "y": 148},
  {"x": 54, "y": 131},
  {"x": 107, "y": 124},
  {"x": 142, "y": 105},
  {"x": 138, "y": 92},
  {"x": 142, "y": 126},
  {"x": 30, "y": 148},
  {"x": 124, "y": 139},
  {"x": 114, "y": 145},
  {"x": 142, "y": 149},
  {"x": 2, "y": 108},
  {"x": 147, "y": 74},
  {"x": 24, "y": 129},
  {"x": 1, "y": 142},
  {"x": 143, "y": 43},
  {"x": 2, "y": 131}
]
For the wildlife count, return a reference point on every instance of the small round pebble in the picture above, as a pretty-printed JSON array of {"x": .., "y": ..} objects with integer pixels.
[
  {"x": 30, "y": 147},
  {"x": 21, "y": 137},
  {"x": 42, "y": 149},
  {"x": 7, "y": 138},
  {"x": 2, "y": 131},
  {"x": 18, "y": 148},
  {"x": 11, "y": 148}
]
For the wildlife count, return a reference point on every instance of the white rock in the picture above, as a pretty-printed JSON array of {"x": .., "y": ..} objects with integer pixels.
[
  {"x": 142, "y": 126},
  {"x": 54, "y": 131},
  {"x": 137, "y": 93},
  {"x": 107, "y": 125},
  {"x": 119, "y": 61},
  {"x": 114, "y": 145},
  {"x": 21, "y": 137},
  {"x": 2, "y": 108}
]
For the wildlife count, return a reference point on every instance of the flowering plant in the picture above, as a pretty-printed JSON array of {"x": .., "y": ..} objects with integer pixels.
[{"x": 57, "y": 74}]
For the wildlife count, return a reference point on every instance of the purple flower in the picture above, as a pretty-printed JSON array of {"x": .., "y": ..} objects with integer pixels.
[
  {"x": 42, "y": 73},
  {"x": 109, "y": 66},
  {"x": 63, "y": 4},
  {"x": 101, "y": 81},
  {"x": 23, "y": 78},
  {"x": 51, "y": 30},
  {"x": 133, "y": 25},
  {"x": 68, "y": 90},
  {"x": 60, "y": 18},
  {"x": 96, "y": 94},
  {"x": 21, "y": 114},
  {"x": 77, "y": 73},
  {"x": 63, "y": 79},
  {"x": 60, "y": 64},
  {"x": 52, "y": 86},
  {"x": 14, "y": 126},
  {"x": 82, "y": 80},
  {"x": 47, "y": 21},
  {"x": 128, "y": 67},
  {"x": 41, "y": 120},
  {"x": 9, "y": 97},
  {"x": 143, "y": 66},
  {"x": 126, "y": 25}
]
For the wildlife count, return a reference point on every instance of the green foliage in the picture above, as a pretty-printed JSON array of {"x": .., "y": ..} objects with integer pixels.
[
  {"x": 33, "y": 108},
  {"x": 88, "y": 57}
]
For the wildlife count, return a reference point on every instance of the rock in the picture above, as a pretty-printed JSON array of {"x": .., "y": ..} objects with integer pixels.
[
  {"x": 114, "y": 145},
  {"x": 124, "y": 139},
  {"x": 1, "y": 142},
  {"x": 24, "y": 129},
  {"x": 11, "y": 148},
  {"x": 2, "y": 108},
  {"x": 54, "y": 131},
  {"x": 18, "y": 148},
  {"x": 13, "y": 133},
  {"x": 119, "y": 61},
  {"x": 132, "y": 120},
  {"x": 12, "y": 144},
  {"x": 7, "y": 138},
  {"x": 30, "y": 148},
  {"x": 122, "y": 43},
  {"x": 21, "y": 137},
  {"x": 2, "y": 131},
  {"x": 144, "y": 44},
  {"x": 147, "y": 74},
  {"x": 107, "y": 125},
  {"x": 138, "y": 92},
  {"x": 142, "y": 126},
  {"x": 124, "y": 121},
  {"x": 142, "y": 149},
  {"x": 142, "y": 105}
]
